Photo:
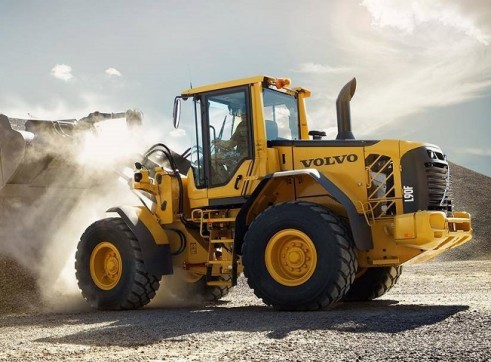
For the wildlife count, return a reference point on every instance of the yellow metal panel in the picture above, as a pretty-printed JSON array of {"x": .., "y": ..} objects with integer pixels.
[
  {"x": 302, "y": 109},
  {"x": 406, "y": 146},
  {"x": 259, "y": 132},
  {"x": 387, "y": 261},
  {"x": 223, "y": 85},
  {"x": 167, "y": 199},
  {"x": 306, "y": 92},
  {"x": 244, "y": 81},
  {"x": 196, "y": 254},
  {"x": 229, "y": 189},
  {"x": 149, "y": 220},
  {"x": 432, "y": 233},
  {"x": 146, "y": 183},
  {"x": 277, "y": 190},
  {"x": 405, "y": 228},
  {"x": 273, "y": 158},
  {"x": 197, "y": 197},
  {"x": 345, "y": 166},
  {"x": 285, "y": 158},
  {"x": 432, "y": 230}
]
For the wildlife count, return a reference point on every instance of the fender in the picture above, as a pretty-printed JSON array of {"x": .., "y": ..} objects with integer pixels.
[
  {"x": 362, "y": 234},
  {"x": 152, "y": 238}
]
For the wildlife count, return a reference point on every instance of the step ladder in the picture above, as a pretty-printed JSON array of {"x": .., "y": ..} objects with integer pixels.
[{"x": 217, "y": 229}]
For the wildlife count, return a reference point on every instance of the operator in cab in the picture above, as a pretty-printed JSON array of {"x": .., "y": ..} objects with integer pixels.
[{"x": 230, "y": 152}]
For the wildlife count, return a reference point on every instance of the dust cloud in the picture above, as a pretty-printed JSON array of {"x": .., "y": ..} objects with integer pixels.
[{"x": 42, "y": 220}]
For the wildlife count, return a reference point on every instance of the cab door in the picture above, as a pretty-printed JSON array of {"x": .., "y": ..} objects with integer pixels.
[{"x": 227, "y": 142}]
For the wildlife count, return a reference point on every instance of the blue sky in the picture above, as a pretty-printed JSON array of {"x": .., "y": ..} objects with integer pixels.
[{"x": 423, "y": 67}]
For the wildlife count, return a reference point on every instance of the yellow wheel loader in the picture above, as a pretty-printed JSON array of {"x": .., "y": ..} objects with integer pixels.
[{"x": 310, "y": 221}]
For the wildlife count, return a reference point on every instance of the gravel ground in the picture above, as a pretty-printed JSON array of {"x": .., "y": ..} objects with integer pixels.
[{"x": 437, "y": 311}]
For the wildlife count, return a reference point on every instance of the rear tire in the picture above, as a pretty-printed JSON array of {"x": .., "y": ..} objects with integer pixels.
[
  {"x": 373, "y": 283},
  {"x": 110, "y": 269},
  {"x": 299, "y": 256},
  {"x": 198, "y": 289},
  {"x": 214, "y": 293}
]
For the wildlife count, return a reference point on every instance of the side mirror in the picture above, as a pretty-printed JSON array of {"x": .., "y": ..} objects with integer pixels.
[{"x": 176, "y": 114}]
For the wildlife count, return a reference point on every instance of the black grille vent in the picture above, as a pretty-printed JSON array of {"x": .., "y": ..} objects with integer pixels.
[{"x": 438, "y": 176}]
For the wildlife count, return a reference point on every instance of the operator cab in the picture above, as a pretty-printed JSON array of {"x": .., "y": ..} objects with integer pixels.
[{"x": 232, "y": 123}]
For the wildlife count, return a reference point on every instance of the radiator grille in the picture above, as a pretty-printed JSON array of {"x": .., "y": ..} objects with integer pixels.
[{"x": 438, "y": 177}]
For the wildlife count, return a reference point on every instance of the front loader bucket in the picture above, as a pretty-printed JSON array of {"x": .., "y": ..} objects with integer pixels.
[
  {"x": 12, "y": 150},
  {"x": 41, "y": 156},
  {"x": 43, "y": 179},
  {"x": 31, "y": 164},
  {"x": 44, "y": 154}
]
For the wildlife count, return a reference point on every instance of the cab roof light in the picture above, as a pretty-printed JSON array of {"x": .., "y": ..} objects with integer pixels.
[{"x": 281, "y": 83}]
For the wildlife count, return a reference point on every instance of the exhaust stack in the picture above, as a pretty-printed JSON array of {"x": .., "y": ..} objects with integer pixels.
[{"x": 343, "y": 111}]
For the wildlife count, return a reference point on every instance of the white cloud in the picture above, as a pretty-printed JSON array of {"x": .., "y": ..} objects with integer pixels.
[
  {"x": 406, "y": 60},
  {"x": 314, "y": 68},
  {"x": 113, "y": 72},
  {"x": 408, "y": 16},
  {"x": 62, "y": 71}
]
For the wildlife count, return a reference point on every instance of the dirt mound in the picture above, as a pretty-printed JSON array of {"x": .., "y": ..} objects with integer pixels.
[
  {"x": 471, "y": 191},
  {"x": 19, "y": 290}
]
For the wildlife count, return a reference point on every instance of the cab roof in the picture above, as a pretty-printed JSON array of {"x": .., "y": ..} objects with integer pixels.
[{"x": 270, "y": 81}]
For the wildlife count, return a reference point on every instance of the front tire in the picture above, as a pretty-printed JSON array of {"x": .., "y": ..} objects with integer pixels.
[
  {"x": 299, "y": 256},
  {"x": 110, "y": 269}
]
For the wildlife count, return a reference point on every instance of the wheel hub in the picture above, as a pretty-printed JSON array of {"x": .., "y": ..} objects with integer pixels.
[
  {"x": 291, "y": 257},
  {"x": 106, "y": 265}
]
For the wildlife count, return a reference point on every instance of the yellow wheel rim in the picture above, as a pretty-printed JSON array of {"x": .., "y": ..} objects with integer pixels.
[
  {"x": 291, "y": 257},
  {"x": 106, "y": 265}
]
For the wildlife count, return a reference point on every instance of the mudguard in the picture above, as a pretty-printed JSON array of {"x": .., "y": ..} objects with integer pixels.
[
  {"x": 362, "y": 235},
  {"x": 152, "y": 238}
]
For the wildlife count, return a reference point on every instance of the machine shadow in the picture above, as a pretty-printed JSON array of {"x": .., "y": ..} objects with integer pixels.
[{"x": 151, "y": 326}]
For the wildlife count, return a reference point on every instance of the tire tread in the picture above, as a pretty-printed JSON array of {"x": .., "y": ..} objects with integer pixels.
[
  {"x": 144, "y": 285},
  {"x": 374, "y": 283},
  {"x": 346, "y": 273}
]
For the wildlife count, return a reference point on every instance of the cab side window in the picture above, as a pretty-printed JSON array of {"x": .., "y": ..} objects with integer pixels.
[{"x": 280, "y": 115}]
